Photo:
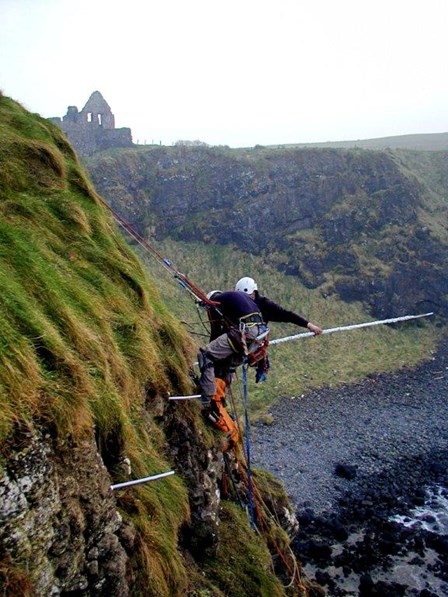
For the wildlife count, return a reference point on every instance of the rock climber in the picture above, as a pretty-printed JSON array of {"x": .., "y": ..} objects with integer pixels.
[
  {"x": 271, "y": 311},
  {"x": 240, "y": 322},
  {"x": 237, "y": 329}
]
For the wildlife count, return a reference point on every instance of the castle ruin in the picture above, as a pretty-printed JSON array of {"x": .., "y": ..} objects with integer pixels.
[{"x": 93, "y": 129}]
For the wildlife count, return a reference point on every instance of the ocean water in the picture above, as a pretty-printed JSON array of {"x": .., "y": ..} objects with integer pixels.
[
  {"x": 432, "y": 516},
  {"x": 415, "y": 571}
]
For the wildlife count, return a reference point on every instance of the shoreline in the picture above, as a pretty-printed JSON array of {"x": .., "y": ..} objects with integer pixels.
[{"x": 350, "y": 458}]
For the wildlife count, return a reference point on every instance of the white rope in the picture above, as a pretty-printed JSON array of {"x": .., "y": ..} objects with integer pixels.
[
  {"x": 349, "y": 327},
  {"x": 143, "y": 480}
]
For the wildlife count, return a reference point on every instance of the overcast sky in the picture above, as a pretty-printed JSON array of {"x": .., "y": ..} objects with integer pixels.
[{"x": 235, "y": 72}]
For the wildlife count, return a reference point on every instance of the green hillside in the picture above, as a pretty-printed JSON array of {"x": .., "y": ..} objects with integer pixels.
[
  {"x": 300, "y": 365},
  {"x": 89, "y": 352},
  {"x": 367, "y": 226},
  {"x": 420, "y": 142}
]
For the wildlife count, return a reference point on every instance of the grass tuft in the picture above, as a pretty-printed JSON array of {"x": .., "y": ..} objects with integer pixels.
[{"x": 243, "y": 565}]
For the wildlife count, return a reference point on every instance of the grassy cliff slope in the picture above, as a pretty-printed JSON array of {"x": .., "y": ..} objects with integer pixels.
[{"x": 89, "y": 353}]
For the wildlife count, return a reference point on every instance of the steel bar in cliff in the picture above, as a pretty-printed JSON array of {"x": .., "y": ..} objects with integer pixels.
[{"x": 142, "y": 480}]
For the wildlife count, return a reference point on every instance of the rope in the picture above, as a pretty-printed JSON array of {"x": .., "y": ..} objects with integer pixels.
[
  {"x": 229, "y": 473},
  {"x": 294, "y": 570},
  {"x": 257, "y": 507},
  {"x": 183, "y": 280},
  {"x": 263, "y": 513},
  {"x": 250, "y": 493}
]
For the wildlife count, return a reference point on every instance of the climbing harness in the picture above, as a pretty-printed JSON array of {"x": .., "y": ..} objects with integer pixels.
[{"x": 258, "y": 348}]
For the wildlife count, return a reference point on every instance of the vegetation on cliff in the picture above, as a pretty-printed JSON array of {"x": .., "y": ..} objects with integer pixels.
[{"x": 90, "y": 352}]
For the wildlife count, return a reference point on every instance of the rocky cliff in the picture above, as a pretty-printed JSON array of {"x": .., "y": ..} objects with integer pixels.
[
  {"x": 368, "y": 225},
  {"x": 89, "y": 355}
]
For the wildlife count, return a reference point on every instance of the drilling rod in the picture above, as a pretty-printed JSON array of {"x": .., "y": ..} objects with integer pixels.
[{"x": 349, "y": 327}]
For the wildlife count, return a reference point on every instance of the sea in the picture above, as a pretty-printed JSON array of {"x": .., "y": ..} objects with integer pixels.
[
  {"x": 424, "y": 571},
  {"x": 432, "y": 516},
  {"x": 416, "y": 571}
]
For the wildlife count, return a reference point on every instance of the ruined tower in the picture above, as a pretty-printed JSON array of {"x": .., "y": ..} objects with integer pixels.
[{"x": 93, "y": 129}]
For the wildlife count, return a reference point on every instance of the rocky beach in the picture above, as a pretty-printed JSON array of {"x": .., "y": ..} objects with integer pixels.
[{"x": 366, "y": 466}]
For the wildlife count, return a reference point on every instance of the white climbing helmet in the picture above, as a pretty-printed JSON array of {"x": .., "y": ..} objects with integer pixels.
[
  {"x": 212, "y": 293},
  {"x": 247, "y": 285}
]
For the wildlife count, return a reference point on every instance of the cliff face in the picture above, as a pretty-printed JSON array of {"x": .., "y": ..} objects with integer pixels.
[
  {"x": 88, "y": 357},
  {"x": 364, "y": 224},
  {"x": 63, "y": 530},
  {"x": 59, "y": 517}
]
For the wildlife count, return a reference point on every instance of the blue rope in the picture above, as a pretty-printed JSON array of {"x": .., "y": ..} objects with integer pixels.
[{"x": 250, "y": 492}]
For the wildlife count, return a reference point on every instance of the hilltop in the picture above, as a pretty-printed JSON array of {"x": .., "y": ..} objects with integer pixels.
[{"x": 418, "y": 142}]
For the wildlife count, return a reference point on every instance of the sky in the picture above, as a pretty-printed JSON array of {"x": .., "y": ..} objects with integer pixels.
[{"x": 235, "y": 72}]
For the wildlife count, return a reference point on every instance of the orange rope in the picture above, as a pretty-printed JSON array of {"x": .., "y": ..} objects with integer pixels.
[
  {"x": 183, "y": 279},
  {"x": 262, "y": 511}
]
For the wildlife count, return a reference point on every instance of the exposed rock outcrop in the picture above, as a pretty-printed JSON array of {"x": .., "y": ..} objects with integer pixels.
[{"x": 58, "y": 516}]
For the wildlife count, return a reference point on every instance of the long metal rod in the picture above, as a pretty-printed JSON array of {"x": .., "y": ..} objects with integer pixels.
[
  {"x": 191, "y": 397},
  {"x": 143, "y": 480},
  {"x": 349, "y": 327}
]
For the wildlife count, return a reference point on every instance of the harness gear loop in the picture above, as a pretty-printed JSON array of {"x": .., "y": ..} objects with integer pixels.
[
  {"x": 259, "y": 346},
  {"x": 251, "y": 319}
]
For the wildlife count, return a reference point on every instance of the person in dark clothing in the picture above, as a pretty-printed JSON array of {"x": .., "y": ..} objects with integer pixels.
[
  {"x": 272, "y": 311},
  {"x": 241, "y": 322}
]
